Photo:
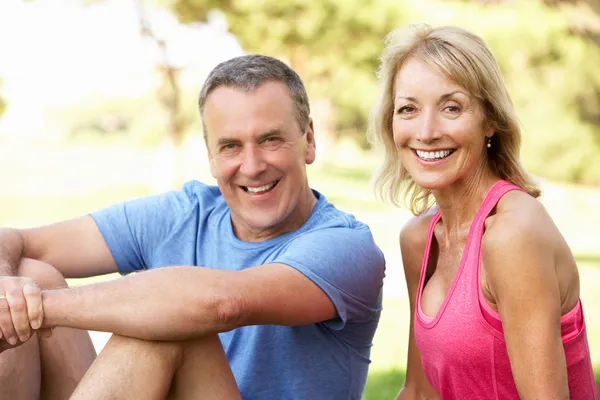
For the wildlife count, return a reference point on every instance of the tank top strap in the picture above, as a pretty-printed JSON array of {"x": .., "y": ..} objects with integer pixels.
[
  {"x": 434, "y": 219},
  {"x": 492, "y": 197}
]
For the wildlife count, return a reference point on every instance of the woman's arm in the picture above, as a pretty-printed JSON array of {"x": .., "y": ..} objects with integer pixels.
[
  {"x": 412, "y": 246},
  {"x": 519, "y": 260}
]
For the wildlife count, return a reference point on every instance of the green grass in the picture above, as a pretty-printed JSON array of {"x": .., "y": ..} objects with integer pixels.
[
  {"x": 74, "y": 181},
  {"x": 384, "y": 384}
]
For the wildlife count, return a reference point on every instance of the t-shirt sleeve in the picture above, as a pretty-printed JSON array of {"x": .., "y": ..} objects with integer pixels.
[
  {"x": 347, "y": 265},
  {"x": 134, "y": 229}
]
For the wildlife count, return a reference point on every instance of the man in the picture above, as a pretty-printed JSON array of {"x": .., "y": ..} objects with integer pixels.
[{"x": 290, "y": 285}]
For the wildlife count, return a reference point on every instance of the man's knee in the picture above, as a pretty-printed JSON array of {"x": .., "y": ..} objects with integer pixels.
[
  {"x": 171, "y": 351},
  {"x": 44, "y": 274},
  {"x": 175, "y": 352}
]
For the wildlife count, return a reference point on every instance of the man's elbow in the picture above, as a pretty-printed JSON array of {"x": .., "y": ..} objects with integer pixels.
[{"x": 225, "y": 312}]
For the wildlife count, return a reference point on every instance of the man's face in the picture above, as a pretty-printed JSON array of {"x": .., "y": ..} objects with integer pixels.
[{"x": 258, "y": 154}]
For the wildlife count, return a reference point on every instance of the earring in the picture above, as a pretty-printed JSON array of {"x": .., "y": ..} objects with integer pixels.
[{"x": 489, "y": 143}]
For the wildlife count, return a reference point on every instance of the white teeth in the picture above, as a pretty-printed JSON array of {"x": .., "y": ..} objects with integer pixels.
[
  {"x": 258, "y": 189},
  {"x": 434, "y": 155}
]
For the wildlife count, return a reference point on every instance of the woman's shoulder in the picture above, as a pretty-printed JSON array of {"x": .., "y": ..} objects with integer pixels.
[
  {"x": 519, "y": 216},
  {"x": 414, "y": 231},
  {"x": 520, "y": 232}
]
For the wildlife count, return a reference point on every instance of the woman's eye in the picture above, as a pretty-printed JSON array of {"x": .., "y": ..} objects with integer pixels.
[
  {"x": 406, "y": 109},
  {"x": 452, "y": 108}
]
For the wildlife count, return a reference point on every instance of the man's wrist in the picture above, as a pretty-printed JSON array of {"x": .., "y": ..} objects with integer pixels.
[
  {"x": 48, "y": 305},
  {"x": 57, "y": 304}
]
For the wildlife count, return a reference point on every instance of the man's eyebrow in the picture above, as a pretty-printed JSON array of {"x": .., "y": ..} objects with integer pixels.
[
  {"x": 225, "y": 140},
  {"x": 269, "y": 133}
]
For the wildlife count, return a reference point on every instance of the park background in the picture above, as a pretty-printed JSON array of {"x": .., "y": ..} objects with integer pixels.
[{"x": 98, "y": 105}]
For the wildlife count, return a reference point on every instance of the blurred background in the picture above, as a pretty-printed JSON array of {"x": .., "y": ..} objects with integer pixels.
[{"x": 98, "y": 105}]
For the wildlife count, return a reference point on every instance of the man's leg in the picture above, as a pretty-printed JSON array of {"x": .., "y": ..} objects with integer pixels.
[
  {"x": 20, "y": 374},
  {"x": 133, "y": 368},
  {"x": 204, "y": 371},
  {"x": 46, "y": 368}
]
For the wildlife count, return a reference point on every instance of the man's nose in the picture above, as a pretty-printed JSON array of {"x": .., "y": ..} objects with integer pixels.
[{"x": 253, "y": 162}]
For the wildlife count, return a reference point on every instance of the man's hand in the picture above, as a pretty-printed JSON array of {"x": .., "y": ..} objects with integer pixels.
[{"x": 21, "y": 310}]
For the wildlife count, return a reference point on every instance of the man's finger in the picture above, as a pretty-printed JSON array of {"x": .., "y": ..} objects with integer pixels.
[
  {"x": 6, "y": 323},
  {"x": 33, "y": 298},
  {"x": 18, "y": 311}
]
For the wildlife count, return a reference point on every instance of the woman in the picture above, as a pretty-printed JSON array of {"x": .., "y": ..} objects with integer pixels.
[{"x": 494, "y": 288}]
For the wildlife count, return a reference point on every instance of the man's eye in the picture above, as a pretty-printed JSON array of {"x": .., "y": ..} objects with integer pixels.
[
  {"x": 229, "y": 149},
  {"x": 271, "y": 143}
]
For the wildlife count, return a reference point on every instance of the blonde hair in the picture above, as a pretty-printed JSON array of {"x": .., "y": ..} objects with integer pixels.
[{"x": 463, "y": 57}]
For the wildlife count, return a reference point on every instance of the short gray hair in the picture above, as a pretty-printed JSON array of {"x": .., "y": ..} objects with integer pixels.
[{"x": 247, "y": 73}]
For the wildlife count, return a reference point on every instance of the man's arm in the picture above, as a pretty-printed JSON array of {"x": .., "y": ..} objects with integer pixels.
[
  {"x": 75, "y": 248},
  {"x": 11, "y": 248},
  {"x": 175, "y": 303},
  {"x": 329, "y": 274}
]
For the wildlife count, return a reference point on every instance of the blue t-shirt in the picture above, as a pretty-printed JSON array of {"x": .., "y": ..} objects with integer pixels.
[{"x": 327, "y": 360}]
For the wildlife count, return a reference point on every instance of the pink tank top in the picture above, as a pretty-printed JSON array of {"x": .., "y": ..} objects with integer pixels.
[{"x": 463, "y": 351}]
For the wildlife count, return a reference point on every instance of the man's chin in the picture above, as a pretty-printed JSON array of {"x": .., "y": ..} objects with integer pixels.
[{"x": 262, "y": 224}]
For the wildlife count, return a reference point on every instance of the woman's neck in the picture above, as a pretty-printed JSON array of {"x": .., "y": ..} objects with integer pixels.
[{"x": 458, "y": 203}]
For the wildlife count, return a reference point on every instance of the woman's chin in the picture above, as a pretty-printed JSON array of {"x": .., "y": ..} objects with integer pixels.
[{"x": 432, "y": 183}]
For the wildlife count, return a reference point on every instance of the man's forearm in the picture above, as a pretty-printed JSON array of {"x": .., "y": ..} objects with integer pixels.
[
  {"x": 11, "y": 250},
  {"x": 173, "y": 303}
]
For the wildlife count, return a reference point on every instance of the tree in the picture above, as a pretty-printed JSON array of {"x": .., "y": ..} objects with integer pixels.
[{"x": 169, "y": 92}]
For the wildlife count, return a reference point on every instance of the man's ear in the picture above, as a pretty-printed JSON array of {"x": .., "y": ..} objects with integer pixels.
[
  {"x": 213, "y": 168},
  {"x": 311, "y": 146}
]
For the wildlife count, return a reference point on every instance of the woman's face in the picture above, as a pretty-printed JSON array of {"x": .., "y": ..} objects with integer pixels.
[{"x": 438, "y": 127}]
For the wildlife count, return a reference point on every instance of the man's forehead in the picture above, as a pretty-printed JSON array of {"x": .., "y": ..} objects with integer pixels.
[{"x": 231, "y": 112}]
